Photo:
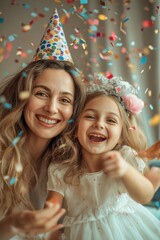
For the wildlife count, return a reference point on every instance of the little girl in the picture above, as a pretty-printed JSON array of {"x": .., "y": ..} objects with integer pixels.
[{"x": 99, "y": 177}]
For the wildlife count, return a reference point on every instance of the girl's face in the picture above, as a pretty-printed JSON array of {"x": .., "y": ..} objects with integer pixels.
[
  {"x": 100, "y": 126},
  {"x": 51, "y": 104}
]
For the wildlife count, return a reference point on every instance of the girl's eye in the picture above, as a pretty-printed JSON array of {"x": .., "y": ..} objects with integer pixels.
[
  {"x": 89, "y": 117},
  {"x": 110, "y": 120}
]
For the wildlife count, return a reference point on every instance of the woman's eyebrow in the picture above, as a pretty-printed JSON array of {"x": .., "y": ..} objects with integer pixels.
[{"x": 47, "y": 89}]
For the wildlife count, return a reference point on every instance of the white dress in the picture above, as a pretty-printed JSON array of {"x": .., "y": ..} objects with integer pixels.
[{"x": 101, "y": 209}]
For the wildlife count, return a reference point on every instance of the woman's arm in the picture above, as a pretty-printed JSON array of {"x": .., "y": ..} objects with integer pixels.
[
  {"x": 32, "y": 222},
  {"x": 6, "y": 231},
  {"x": 55, "y": 197},
  {"x": 137, "y": 185}
]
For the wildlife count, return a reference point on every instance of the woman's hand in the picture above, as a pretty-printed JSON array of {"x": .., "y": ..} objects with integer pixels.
[{"x": 36, "y": 222}]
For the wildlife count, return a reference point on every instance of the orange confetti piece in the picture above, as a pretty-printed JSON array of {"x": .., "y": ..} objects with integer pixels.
[{"x": 155, "y": 120}]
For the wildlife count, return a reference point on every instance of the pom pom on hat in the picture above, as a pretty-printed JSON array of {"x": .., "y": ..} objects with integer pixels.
[{"x": 53, "y": 44}]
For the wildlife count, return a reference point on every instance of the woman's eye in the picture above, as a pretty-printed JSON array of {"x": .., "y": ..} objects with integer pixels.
[
  {"x": 41, "y": 94},
  {"x": 65, "y": 100}
]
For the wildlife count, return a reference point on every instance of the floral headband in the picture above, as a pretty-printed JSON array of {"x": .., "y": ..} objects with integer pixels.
[{"x": 124, "y": 91}]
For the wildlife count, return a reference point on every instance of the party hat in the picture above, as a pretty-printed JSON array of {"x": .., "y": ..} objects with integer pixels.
[{"x": 53, "y": 44}]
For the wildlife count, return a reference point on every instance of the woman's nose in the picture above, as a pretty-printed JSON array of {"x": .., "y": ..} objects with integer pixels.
[{"x": 52, "y": 106}]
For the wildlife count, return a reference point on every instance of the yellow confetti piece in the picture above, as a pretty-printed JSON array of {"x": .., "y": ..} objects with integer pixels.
[
  {"x": 102, "y": 17},
  {"x": 150, "y": 47},
  {"x": 149, "y": 93},
  {"x": 121, "y": 28},
  {"x": 155, "y": 120},
  {"x": 26, "y": 28},
  {"x": 24, "y": 95},
  {"x": 18, "y": 167}
]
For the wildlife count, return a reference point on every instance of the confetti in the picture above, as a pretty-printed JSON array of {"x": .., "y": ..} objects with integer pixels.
[
  {"x": 151, "y": 106},
  {"x": 70, "y": 121},
  {"x": 7, "y": 105},
  {"x": 18, "y": 167},
  {"x": 12, "y": 181},
  {"x": 83, "y": 1},
  {"x": 147, "y": 23},
  {"x": 102, "y": 17},
  {"x": 143, "y": 60},
  {"x": 1, "y": 20},
  {"x": 17, "y": 138},
  {"x": 24, "y": 95},
  {"x": 155, "y": 120}
]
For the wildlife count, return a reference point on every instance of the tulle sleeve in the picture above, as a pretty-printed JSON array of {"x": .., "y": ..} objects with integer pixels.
[
  {"x": 131, "y": 157},
  {"x": 55, "y": 179}
]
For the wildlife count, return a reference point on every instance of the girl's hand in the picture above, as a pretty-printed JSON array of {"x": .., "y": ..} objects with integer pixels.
[
  {"x": 36, "y": 222},
  {"x": 114, "y": 165}
]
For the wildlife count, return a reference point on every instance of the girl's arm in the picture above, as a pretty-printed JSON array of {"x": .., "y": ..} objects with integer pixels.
[
  {"x": 153, "y": 174},
  {"x": 137, "y": 185}
]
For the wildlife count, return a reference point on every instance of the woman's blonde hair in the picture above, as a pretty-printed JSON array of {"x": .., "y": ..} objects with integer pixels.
[
  {"x": 132, "y": 135},
  {"x": 14, "y": 154}
]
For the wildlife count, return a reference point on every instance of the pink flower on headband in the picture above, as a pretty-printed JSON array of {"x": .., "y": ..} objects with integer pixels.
[{"x": 133, "y": 103}]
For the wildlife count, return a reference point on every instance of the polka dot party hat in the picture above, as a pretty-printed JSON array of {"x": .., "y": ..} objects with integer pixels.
[{"x": 53, "y": 44}]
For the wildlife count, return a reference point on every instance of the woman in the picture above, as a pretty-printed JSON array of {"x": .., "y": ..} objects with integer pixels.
[{"x": 39, "y": 105}]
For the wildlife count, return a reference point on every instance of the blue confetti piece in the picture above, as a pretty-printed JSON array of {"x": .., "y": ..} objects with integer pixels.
[
  {"x": 34, "y": 14},
  {"x": 75, "y": 73},
  {"x": 119, "y": 44},
  {"x": 11, "y": 38},
  {"x": 83, "y": 1},
  {"x": 20, "y": 133},
  {"x": 70, "y": 121},
  {"x": 143, "y": 60},
  {"x": 15, "y": 140},
  {"x": 12, "y": 181},
  {"x": 1, "y": 20},
  {"x": 24, "y": 74},
  {"x": 26, "y": 5},
  {"x": 126, "y": 19},
  {"x": 7, "y": 105},
  {"x": 24, "y": 65},
  {"x": 151, "y": 106},
  {"x": 46, "y": 9}
]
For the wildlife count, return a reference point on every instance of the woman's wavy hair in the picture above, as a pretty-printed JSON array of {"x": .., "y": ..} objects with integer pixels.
[
  {"x": 16, "y": 184},
  {"x": 132, "y": 135}
]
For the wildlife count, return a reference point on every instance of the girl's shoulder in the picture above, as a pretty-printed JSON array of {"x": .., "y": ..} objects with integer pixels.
[
  {"x": 131, "y": 156},
  {"x": 56, "y": 168}
]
